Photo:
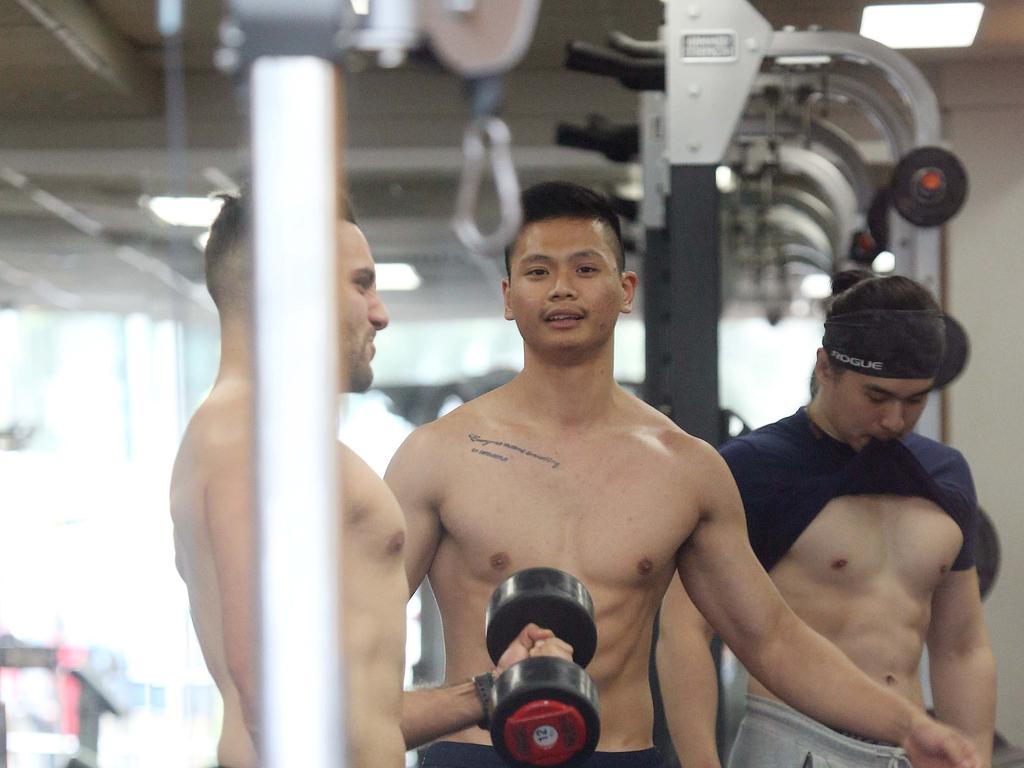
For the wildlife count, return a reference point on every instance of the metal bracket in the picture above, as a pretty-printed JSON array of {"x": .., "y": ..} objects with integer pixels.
[{"x": 257, "y": 28}]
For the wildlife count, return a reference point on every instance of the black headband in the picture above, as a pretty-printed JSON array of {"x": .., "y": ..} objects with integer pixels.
[{"x": 891, "y": 343}]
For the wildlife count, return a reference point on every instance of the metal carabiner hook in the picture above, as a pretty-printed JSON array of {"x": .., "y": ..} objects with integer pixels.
[{"x": 482, "y": 134}]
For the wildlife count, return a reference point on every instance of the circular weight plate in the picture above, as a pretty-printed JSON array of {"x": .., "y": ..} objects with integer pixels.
[
  {"x": 929, "y": 185},
  {"x": 958, "y": 350},
  {"x": 550, "y": 598},
  {"x": 476, "y": 38},
  {"x": 986, "y": 553},
  {"x": 863, "y": 248},
  {"x": 569, "y": 697}
]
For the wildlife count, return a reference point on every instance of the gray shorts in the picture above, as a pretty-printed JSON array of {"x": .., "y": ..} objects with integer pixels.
[{"x": 773, "y": 735}]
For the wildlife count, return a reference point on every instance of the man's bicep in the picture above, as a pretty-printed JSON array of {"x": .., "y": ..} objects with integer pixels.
[
  {"x": 957, "y": 621},
  {"x": 411, "y": 475}
]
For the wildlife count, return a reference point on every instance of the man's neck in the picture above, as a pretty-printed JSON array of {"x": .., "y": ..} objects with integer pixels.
[
  {"x": 236, "y": 358},
  {"x": 235, "y": 354},
  {"x": 567, "y": 394}
]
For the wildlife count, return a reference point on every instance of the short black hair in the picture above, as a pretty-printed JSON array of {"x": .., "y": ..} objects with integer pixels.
[
  {"x": 227, "y": 260},
  {"x": 567, "y": 200},
  {"x": 857, "y": 289}
]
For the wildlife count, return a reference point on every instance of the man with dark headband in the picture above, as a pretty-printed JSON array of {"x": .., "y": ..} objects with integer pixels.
[
  {"x": 867, "y": 529},
  {"x": 888, "y": 343}
]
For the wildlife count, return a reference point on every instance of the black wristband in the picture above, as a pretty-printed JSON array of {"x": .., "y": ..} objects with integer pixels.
[{"x": 483, "y": 684}]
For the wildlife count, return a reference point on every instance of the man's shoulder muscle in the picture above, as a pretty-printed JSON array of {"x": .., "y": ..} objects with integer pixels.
[
  {"x": 643, "y": 419},
  {"x": 688, "y": 463},
  {"x": 220, "y": 431},
  {"x": 680, "y": 445},
  {"x": 214, "y": 452},
  {"x": 415, "y": 473},
  {"x": 363, "y": 489},
  {"x": 432, "y": 443},
  {"x": 355, "y": 472}
]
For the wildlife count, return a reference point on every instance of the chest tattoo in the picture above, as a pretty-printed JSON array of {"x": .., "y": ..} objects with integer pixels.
[{"x": 490, "y": 448}]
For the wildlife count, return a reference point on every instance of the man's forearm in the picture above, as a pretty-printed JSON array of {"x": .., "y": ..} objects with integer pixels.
[
  {"x": 244, "y": 679},
  {"x": 430, "y": 713},
  {"x": 964, "y": 691}
]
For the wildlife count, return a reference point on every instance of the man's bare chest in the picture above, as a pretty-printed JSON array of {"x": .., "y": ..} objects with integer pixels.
[
  {"x": 858, "y": 539},
  {"x": 513, "y": 502}
]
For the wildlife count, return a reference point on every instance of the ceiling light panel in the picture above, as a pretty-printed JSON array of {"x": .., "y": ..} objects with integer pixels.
[{"x": 933, "y": 25}]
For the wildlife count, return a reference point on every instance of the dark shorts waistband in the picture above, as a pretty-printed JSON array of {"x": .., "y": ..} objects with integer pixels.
[
  {"x": 454, "y": 754},
  {"x": 865, "y": 739}
]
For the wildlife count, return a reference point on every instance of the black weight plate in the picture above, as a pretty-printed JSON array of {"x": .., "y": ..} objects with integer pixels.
[
  {"x": 878, "y": 218},
  {"x": 548, "y": 597},
  {"x": 986, "y": 553},
  {"x": 909, "y": 200}
]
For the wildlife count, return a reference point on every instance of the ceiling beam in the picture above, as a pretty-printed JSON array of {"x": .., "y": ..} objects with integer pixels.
[
  {"x": 99, "y": 48},
  {"x": 366, "y": 162},
  {"x": 134, "y": 257}
]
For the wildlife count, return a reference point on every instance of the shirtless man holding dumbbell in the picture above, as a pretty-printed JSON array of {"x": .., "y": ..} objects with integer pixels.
[{"x": 563, "y": 468}]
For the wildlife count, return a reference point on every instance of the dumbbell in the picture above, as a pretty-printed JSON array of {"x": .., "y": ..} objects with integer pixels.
[{"x": 545, "y": 709}]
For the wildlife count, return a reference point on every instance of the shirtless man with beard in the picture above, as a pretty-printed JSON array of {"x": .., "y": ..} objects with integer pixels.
[{"x": 214, "y": 532}]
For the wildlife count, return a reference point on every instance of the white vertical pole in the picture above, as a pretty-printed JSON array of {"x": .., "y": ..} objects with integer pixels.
[{"x": 294, "y": 152}]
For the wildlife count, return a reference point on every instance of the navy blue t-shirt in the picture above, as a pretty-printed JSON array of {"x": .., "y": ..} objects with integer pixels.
[{"x": 788, "y": 471}]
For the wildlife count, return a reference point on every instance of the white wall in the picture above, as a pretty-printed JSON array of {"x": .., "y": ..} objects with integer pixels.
[{"x": 985, "y": 124}]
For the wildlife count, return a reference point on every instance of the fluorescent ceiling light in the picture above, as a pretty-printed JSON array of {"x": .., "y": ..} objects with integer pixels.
[
  {"x": 800, "y": 308},
  {"x": 725, "y": 179},
  {"x": 362, "y": 7},
  {"x": 803, "y": 61},
  {"x": 630, "y": 190},
  {"x": 884, "y": 263},
  {"x": 816, "y": 286},
  {"x": 397, "y": 277},
  {"x": 185, "y": 211},
  {"x": 935, "y": 25}
]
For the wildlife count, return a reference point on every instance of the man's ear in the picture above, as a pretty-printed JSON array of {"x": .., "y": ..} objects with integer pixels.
[
  {"x": 628, "y": 281},
  {"x": 822, "y": 368},
  {"x": 504, "y": 294}
]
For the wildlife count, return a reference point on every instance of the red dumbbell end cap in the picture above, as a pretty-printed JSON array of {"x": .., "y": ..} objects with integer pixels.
[{"x": 545, "y": 732}]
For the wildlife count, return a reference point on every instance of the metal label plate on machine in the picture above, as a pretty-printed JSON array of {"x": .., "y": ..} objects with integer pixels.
[{"x": 708, "y": 47}]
